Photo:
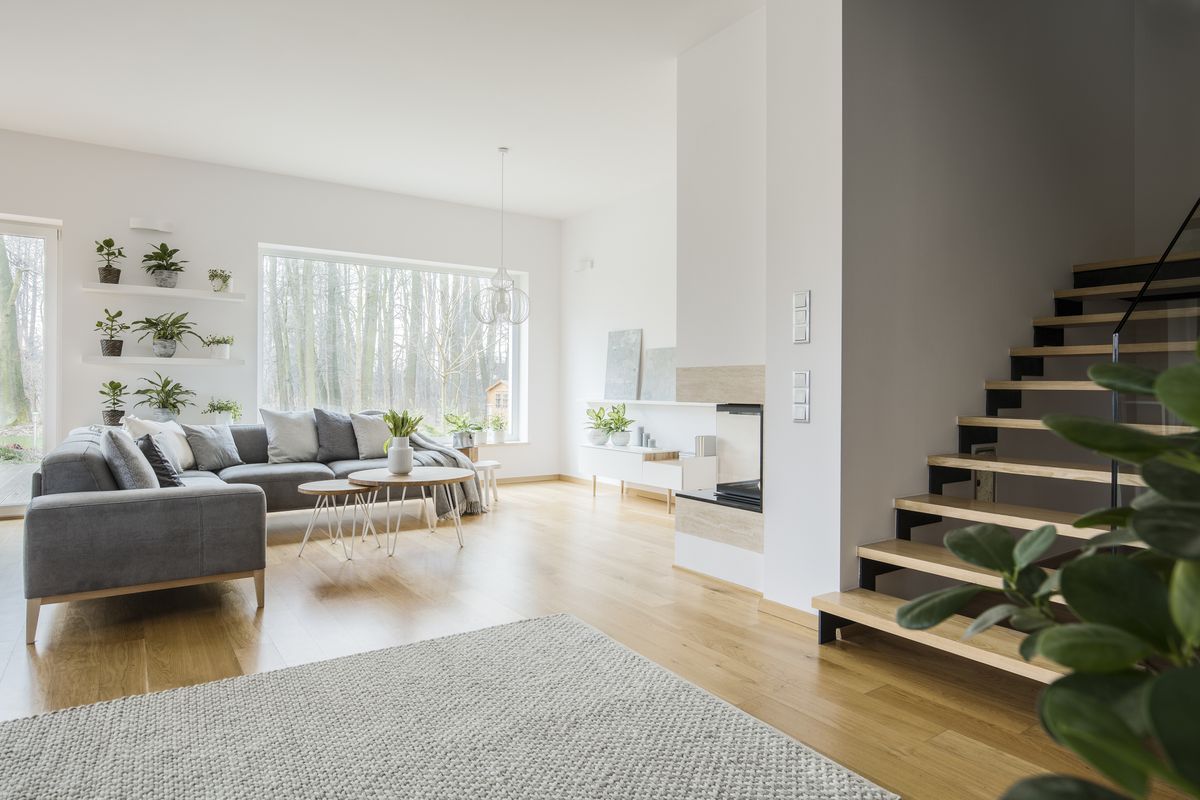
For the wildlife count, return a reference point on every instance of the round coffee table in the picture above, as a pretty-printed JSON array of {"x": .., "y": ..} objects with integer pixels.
[
  {"x": 327, "y": 492},
  {"x": 420, "y": 478}
]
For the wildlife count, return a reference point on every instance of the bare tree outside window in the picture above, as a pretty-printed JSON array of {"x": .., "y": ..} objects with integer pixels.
[{"x": 22, "y": 294}]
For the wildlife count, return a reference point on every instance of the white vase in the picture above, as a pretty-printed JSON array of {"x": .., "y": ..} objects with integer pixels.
[
  {"x": 597, "y": 436},
  {"x": 499, "y": 437},
  {"x": 399, "y": 456},
  {"x": 219, "y": 350},
  {"x": 620, "y": 439}
]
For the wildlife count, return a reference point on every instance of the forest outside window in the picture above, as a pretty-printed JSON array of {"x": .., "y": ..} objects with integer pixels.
[{"x": 354, "y": 333}]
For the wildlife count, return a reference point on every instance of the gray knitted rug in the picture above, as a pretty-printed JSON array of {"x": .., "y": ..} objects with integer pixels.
[{"x": 545, "y": 708}]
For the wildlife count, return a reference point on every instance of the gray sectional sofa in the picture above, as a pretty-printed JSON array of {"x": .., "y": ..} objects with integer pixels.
[{"x": 85, "y": 537}]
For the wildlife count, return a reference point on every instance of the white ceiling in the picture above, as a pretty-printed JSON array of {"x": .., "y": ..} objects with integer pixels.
[{"x": 410, "y": 96}]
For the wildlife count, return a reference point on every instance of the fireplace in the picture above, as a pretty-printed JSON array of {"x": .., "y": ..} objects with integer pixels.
[{"x": 739, "y": 453}]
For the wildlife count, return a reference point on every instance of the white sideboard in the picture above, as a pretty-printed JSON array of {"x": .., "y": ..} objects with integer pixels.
[{"x": 649, "y": 466}]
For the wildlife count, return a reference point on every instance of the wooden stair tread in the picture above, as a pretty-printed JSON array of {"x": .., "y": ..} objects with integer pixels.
[
  {"x": 930, "y": 559},
  {"x": 996, "y": 647},
  {"x": 1103, "y": 349},
  {"x": 1141, "y": 261},
  {"x": 1126, "y": 289},
  {"x": 1063, "y": 470},
  {"x": 1028, "y": 385},
  {"x": 1081, "y": 320},
  {"x": 1006, "y": 514},
  {"x": 1024, "y": 423}
]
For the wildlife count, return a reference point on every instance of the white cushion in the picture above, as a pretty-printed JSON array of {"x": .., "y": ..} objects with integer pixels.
[
  {"x": 291, "y": 436},
  {"x": 172, "y": 436},
  {"x": 371, "y": 432}
]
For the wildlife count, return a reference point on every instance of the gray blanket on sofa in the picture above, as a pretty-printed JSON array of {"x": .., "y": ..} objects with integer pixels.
[{"x": 428, "y": 453}]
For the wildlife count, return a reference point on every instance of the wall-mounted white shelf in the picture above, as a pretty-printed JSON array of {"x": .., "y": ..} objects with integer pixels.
[
  {"x": 649, "y": 403},
  {"x": 144, "y": 361},
  {"x": 155, "y": 291}
]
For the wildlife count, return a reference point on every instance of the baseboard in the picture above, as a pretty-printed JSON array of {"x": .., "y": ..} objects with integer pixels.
[
  {"x": 575, "y": 479},
  {"x": 736, "y": 587},
  {"x": 774, "y": 609},
  {"x": 527, "y": 479}
]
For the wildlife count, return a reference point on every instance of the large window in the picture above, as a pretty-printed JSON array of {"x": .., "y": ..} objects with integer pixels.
[{"x": 354, "y": 333}]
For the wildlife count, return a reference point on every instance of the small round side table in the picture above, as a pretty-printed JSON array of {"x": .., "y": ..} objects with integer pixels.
[
  {"x": 327, "y": 492},
  {"x": 420, "y": 478},
  {"x": 487, "y": 476}
]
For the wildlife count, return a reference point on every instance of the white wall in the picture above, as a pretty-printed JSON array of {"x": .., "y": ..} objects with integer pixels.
[
  {"x": 721, "y": 108},
  {"x": 221, "y": 215}
]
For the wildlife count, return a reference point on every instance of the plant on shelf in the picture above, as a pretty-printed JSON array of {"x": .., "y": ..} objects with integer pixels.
[
  {"x": 497, "y": 425},
  {"x": 399, "y": 452},
  {"x": 597, "y": 425},
  {"x": 218, "y": 345},
  {"x": 219, "y": 279},
  {"x": 114, "y": 394},
  {"x": 109, "y": 254},
  {"x": 167, "y": 331},
  {"x": 162, "y": 266},
  {"x": 1130, "y": 704},
  {"x": 463, "y": 429},
  {"x": 618, "y": 425},
  {"x": 110, "y": 328},
  {"x": 225, "y": 411},
  {"x": 166, "y": 397}
]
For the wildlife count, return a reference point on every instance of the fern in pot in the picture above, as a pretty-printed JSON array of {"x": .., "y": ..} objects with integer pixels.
[
  {"x": 597, "y": 426},
  {"x": 223, "y": 411},
  {"x": 110, "y": 328},
  {"x": 165, "y": 397},
  {"x": 114, "y": 394},
  {"x": 399, "y": 452},
  {"x": 109, "y": 254},
  {"x": 1130, "y": 704},
  {"x": 162, "y": 266},
  {"x": 167, "y": 331}
]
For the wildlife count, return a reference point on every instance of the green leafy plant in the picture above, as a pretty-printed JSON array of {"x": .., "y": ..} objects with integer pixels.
[
  {"x": 400, "y": 425},
  {"x": 111, "y": 326},
  {"x": 168, "y": 327},
  {"x": 497, "y": 423},
  {"x": 109, "y": 252},
  {"x": 231, "y": 407},
  {"x": 596, "y": 419},
  {"x": 221, "y": 275},
  {"x": 162, "y": 258},
  {"x": 164, "y": 393},
  {"x": 1130, "y": 706},
  {"x": 617, "y": 422},
  {"x": 114, "y": 394},
  {"x": 462, "y": 423},
  {"x": 209, "y": 341}
]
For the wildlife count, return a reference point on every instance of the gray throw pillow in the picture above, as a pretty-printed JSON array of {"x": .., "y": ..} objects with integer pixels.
[
  {"x": 291, "y": 436},
  {"x": 213, "y": 447},
  {"x": 160, "y": 462},
  {"x": 335, "y": 436},
  {"x": 371, "y": 432},
  {"x": 129, "y": 467}
]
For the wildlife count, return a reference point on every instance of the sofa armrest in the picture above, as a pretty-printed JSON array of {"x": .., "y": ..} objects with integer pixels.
[{"x": 85, "y": 541}]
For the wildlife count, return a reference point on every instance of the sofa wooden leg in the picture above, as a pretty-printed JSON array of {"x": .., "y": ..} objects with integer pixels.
[
  {"x": 259, "y": 585},
  {"x": 33, "y": 607}
]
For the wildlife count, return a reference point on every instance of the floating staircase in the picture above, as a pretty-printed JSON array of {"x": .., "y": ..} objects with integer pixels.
[{"x": 1101, "y": 294}]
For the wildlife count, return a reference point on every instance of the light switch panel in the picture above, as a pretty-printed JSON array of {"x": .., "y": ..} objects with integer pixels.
[
  {"x": 801, "y": 393},
  {"x": 801, "y": 316}
]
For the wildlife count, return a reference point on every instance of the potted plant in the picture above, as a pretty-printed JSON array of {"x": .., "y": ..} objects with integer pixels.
[
  {"x": 463, "y": 429},
  {"x": 618, "y": 426},
  {"x": 162, "y": 266},
  {"x": 597, "y": 425},
  {"x": 1130, "y": 703},
  {"x": 110, "y": 328},
  {"x": 219, "y": 279},
  {"x": 167, "y": 331},
  {"x": 109, "y": 254},
  {"x": 165, "y": 397},
  {"x": 399, "y": 452},
  {"x": 498, "y": 428},
  {"x": 218, "y": 346},
  {"x": 114, "y": 393},
  {"x": 225, "y": 411}
]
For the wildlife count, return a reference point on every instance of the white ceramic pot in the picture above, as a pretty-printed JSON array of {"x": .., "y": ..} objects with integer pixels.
[
  {"x": 165, "y": 278},
  {"x": 162, "y": 414},
  {"x": 620, "y": 439},
  {"x": 499, "y": 437},
  {"x": 219, "y": 285},
  {"x": 222, "y": 418},
  {"x": 399, "y": 456},
  {"x": 219, "y": 350},
  {"x": 597, "y": 436},
  {"x": 164, "y": 348}
]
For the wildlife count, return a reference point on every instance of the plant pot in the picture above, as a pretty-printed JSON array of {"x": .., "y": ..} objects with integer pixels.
[
  {"x": 222, "y": 418},
  {"x": 165, "y": 348},
  {"x": 399, "y": 456},
  {"x": 165, "y": 278},
  {"x": 112, "y": 416},
  {"x": 109, "y": 274},
  {"x": 620, "y": 439},
  {"x": 219, "y": 285},
  {"x": 163, "y": 414},
  {"x": 597, "y": 436},
  {"x": 219, "y": 350},
  {"x": 498, "y": 437},
  {"x": 462, "y": 439},
  {"x": 111, "y": 347}
]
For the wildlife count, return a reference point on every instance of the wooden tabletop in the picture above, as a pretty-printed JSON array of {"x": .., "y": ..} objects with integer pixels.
[
  {"x": 420, "y": 476},
  {"x": 336, "y": 486}
]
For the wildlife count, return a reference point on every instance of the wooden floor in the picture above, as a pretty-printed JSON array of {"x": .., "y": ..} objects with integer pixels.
[{"x": 921, "y": 723}]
